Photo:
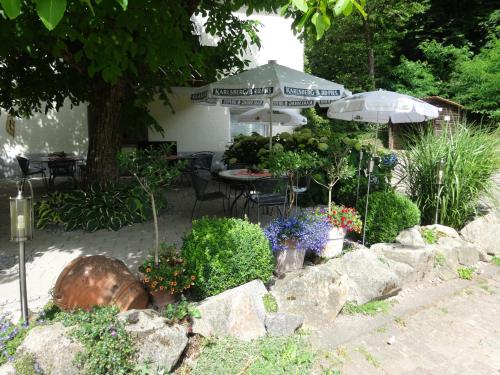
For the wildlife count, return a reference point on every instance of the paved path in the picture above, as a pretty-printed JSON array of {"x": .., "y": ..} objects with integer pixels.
[{"x": 450, "y": 328}]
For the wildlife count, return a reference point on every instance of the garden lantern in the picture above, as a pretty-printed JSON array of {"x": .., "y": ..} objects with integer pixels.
[
  {"x": 21, "y": 230},
  {"x": 439, "y": 184}
]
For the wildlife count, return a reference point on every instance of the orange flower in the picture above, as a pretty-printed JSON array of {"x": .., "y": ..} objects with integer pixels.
[
  {"x": 148, "y": 270},
  {"x": 146, "y": 280},
  {"x": 162, "y": 287},
  {"x": 193, "y": 277}
]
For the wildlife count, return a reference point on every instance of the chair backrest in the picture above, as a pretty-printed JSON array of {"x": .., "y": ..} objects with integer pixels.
[
  {"x": 270, "y": 185},
  {"x": 24, "y": 164},
  {"x": 202, "y": 160},
  {"x": 199, "y": 183}
]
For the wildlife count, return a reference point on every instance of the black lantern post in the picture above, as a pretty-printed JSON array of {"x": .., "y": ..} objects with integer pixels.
[
  {"x": 21, "y": 230},
  {"x": 439, "y": 184}
]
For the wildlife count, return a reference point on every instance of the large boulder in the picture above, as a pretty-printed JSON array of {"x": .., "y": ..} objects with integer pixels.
[
  {"x": 283, "y": 324},
  {"x": 317, "y": 293},
  {"x": 483, "y": 232},
  {"x": 411, "y": 237},
  {"x": 156, "y": 342},
  {"x": 369, "y": 276},
  {"x": 52, "y": 348},
  {"x": 421, "y": 259},
  {"x": 237, "y": 312},
  {"x": 458, "y": 252}
]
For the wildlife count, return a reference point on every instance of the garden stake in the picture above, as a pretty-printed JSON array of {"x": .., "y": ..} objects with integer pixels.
[
  {"x": 439, "y": 184},
  {"x": 370, "y": 170},
  {"x": 359, "y": 175}
]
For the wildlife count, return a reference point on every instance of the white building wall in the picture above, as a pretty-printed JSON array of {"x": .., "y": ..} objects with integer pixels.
[{"x": 65, "y": 130}]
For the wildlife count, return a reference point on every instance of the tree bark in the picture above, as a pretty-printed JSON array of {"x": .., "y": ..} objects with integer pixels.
[
  {"x": 371, "y": 54},
  {"x": 104, "y": 121}
]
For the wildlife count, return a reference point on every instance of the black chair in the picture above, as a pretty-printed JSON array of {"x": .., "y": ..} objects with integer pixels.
[
  {"x": 201, "y": 160},
  {"x": 303, "y": 183},
  {"x": 269, "y": 192},
  {"x": 61, "y": 168},
  {"x": 200, "y": 180},
  {"x": 24, "y": 164}
]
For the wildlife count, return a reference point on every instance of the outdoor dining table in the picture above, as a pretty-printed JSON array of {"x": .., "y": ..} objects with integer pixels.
[
  {"x": 73, "y": 159},
  {"x": 244, "y": 178}
]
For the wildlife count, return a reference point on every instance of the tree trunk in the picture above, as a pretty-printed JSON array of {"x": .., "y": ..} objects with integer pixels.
[
  {"x": 371, "y": 54},
  {"x": 104, "y": 118}
]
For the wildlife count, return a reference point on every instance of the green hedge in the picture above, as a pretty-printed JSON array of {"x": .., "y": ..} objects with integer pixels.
[
  {"x": 388, "y": 214},
  {"x": 225, "y": 253}
]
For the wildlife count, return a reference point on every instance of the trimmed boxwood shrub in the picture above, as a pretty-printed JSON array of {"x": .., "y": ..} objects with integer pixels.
[
  {"x": 388, "y": 214},
  {"x": 224, "y": 253}
]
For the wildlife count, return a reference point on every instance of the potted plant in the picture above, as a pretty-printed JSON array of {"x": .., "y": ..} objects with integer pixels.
[
  {"x": 341, "y": 220},
  {"x": 291, "y": 164},
  {"x": 167, "y": 279},
  {"x": 291, "y": 237}
]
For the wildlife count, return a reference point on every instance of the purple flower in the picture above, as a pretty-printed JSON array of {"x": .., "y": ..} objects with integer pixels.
[{"x": 309, "y": 231}]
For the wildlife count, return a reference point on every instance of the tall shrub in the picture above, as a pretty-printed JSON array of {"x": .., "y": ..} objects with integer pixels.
[
  {"x": 471, "y": 158},
  {"x": 388, "y": 214},
  {"x": 224, "y": 253}
]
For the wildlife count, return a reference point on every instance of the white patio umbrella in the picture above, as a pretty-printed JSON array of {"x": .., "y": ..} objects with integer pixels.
[
  {"x": 286, "y": 117},
  {"x": 274, "y": 84},
  {"x": 381, "y": 107}
]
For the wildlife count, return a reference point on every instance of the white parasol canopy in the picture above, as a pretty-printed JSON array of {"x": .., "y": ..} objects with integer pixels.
[
  {"x": 286, "y": 117},
  {"x": 382, "y": 106},
  {"x": 274, "y": 84}
]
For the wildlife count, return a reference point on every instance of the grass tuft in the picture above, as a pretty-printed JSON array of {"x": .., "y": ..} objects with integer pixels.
[
  {"x": 270, "y": 303},
  {"x": 465, "y": 273},
  {"x": 371, "y": 308}
]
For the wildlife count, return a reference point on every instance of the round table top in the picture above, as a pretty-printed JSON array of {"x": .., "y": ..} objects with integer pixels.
[{"x": 244, "y": 174}]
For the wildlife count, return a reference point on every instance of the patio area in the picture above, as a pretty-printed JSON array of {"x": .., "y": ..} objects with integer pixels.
[{"x": 53, "y": 248}]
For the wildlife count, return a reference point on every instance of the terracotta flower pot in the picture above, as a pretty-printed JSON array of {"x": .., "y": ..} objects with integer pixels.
[
  {"x": 98, "y": 280},
  {"x": 289, "y": 259},
  {"x": 335, "y": 242}
]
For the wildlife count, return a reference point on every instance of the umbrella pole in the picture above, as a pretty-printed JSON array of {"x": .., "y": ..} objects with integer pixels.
[
  {"x": 370, "y": 170},
  {"x": 270, "y": 124}
]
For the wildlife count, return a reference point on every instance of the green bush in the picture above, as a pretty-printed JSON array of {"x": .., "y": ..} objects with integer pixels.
[
  {"x": 388, "y": 214},
  {"x": 471, "y": 159},
  {"x": 225, "y": 253}
]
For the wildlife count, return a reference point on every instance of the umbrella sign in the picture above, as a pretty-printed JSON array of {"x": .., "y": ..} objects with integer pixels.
[{"x": 272, "y": 84}]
